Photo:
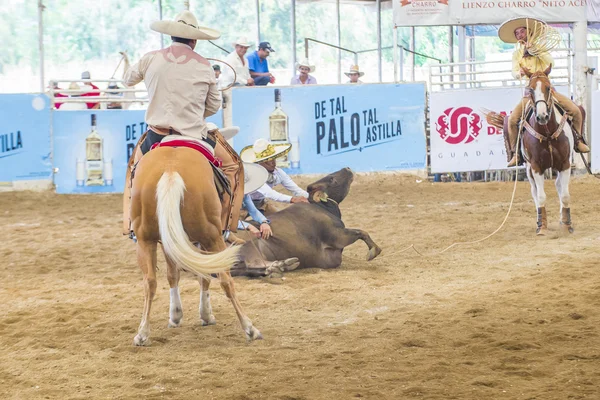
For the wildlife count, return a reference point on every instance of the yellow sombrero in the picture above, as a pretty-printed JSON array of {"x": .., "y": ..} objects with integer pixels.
[
  {"x": 506, "y": 32},
  {"x": 263, "y": 150}
]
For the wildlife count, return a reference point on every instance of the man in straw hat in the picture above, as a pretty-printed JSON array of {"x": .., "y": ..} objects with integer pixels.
[
  {"x": 521, "y": 31},
  {"x": 354, "y": 73},
  {"x": 183, "y": 91},
  {"x": 303, "y": 78},
  {"x": 237, "y": 60},
  {"x": 264, "y": 154}
]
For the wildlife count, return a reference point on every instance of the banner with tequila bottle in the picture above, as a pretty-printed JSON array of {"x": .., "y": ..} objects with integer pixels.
[
  {"x": 367, "y": 127},
  {"x": 92, "y": 148},
  {"x": 24, "y": 138}
]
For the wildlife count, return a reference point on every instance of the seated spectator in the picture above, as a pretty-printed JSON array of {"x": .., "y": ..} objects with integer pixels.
[
  {"x": 303, "y": 78},
  {"x": 90, "y": 90},
  {"x": 259, "y": 66},
  {"x": 217, "y": 69},
  {"x": 354, "y": 73},
  {"x": 237, "y": 60},
  {"x": 57, "y": 105},
  {"x": 74, "y": 105}
]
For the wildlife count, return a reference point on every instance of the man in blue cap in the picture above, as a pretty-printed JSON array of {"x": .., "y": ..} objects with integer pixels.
[{"x": 259, "y": 66}]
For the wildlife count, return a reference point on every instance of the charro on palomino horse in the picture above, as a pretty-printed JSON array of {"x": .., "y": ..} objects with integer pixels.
[
  {"x": 179, "y": 196},
  {"x": 550, "y": 125}
]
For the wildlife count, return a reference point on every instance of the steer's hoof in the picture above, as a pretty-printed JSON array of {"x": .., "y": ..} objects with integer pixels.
[
  {"x": 373, "y": 252},
  {"x": 277, "y": 268},
  {"x": 253, "y": 334},
  {"x": 140, "y": 340}
]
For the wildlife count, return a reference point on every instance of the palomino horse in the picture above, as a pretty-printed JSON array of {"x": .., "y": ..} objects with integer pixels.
[
  {"x": 547, "y": 142},
  {"x": 174, "y": 200}
]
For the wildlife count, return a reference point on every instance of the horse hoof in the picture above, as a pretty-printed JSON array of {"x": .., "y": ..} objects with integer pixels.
[
  {"x": 253, "y": 334},
  {"x": 173, "y": 324},
  {"x": 541, "y": 232},
  {"x": 567, "y": 228},
  {"x": 211, "y": 321},
  {"x": 373, "y": 252},
  {"x": 140, "y": 340}
]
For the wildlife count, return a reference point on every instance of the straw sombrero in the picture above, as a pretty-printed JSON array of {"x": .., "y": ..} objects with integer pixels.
[
  {"x": 506, "y": 32},
  {"x": 185, "y": 25},
  {"x": 354, "y": 70},
  {"x": 227, "y": 133},
  {"x": 263, "y": 150},
  {"x": 305, "y": 63},
  {"x": 254, "y": 177},
  {"x": 242, "y": 41}
]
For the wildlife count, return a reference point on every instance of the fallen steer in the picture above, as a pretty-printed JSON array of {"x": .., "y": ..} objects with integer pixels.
[{"x": 313, "y": 233}]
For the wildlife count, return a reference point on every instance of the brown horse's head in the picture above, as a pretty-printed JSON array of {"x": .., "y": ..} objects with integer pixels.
[{"x": 539, "y": 91}]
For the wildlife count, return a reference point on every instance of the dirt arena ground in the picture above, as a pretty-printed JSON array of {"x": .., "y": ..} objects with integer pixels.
[{"x": 516, "y": 317}]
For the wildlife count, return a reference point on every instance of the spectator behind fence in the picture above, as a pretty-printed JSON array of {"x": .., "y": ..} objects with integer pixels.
[
  {"x": 259, "y": 66},
  {"x": 74, "y": 105},
  {"x": 237, "y": 60},
  {"x": 55, "y": 87},
  {"x": 90, "y": 90},
  {"x": 303, "y": 78},
  {"x": 354, "y": 73}
]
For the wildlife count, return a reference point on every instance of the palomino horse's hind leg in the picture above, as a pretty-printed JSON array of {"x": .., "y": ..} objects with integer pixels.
[
  {"x": 227, "y": 284},
  {"x": 206, "y": 315},
  {"x": 562, "y": 187},
  {"x": 146, "y": 255},
  {"x": 175, "y": 308}
]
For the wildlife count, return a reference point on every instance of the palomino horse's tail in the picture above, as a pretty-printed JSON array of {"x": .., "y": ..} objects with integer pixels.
[
  {"x": 493, "y": 118},
  {"x": 176, "y": 243}
]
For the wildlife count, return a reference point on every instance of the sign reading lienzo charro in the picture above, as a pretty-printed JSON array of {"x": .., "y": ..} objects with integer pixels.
[{"x": 491, "y": 12}]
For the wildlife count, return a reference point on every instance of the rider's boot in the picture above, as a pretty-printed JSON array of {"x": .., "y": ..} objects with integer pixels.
[
  {"x": 580, "y": 145},
  {"x": 513, "y": 161}
]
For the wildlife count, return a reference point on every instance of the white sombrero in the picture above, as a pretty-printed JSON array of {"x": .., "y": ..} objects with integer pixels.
[
  {"x": 305, "y": 63},
  {"x": 254, "y": 177},
  {"x": 354, "y": 70},
  {"x": 506, "y": 32},
  {"x": 185, "y": 25},
  {"x": 263, "y": 150},
  {"x": 242, "y": 41},
  {"x": 227, "y": 133}
]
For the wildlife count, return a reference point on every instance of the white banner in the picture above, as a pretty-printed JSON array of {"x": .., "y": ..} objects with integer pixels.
[
  {"x": 461, "y": 140},
  {"x": 594, "y": 132},
  {"x": 492, "y": 12}
]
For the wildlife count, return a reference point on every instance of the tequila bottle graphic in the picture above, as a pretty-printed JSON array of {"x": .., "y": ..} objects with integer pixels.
[
  {"x": 93, "y": 157},
  {"x": 278, "y": 128}
]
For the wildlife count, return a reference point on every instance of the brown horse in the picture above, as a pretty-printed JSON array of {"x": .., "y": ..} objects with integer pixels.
[
  {"x": 547, "y": 143},
  {"x": 174, "y": 200}
]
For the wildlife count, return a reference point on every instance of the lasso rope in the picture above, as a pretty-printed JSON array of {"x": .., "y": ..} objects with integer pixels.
[
  {"x": 512, "y": 200},
  {"x": 541, "y": 38}
]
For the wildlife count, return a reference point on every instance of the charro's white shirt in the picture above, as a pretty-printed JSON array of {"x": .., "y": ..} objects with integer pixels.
[
  {"x": 278, "y": 177},
  {"x": 241, "y": 70},
  {"x": 182, "y": 88}
]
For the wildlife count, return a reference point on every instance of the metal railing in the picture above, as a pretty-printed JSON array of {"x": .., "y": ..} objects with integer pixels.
[
  {"x": 466, "y": 75},
  {"x": 107, "y": 95}
]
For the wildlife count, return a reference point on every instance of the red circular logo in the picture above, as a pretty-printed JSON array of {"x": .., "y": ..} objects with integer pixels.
[{"x": 458, "y": 125}]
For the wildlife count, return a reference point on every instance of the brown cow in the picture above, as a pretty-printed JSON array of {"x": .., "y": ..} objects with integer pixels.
[{"x": 313, "y": 233}]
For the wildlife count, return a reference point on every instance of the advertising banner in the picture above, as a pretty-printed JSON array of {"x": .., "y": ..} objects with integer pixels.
[
  {"x": 492, "y": 12},
  {"x": 461, "y": 139},
  {"x": 374, "y": 127},
  {"x": 24, "y": 138},
  {"x": 92, "y": 148}
]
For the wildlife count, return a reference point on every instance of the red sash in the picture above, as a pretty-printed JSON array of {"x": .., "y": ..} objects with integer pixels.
[{"x": 217, "y": 162}]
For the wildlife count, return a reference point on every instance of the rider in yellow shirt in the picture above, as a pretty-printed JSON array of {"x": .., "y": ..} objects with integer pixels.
[{"x": 515, "y": 31}]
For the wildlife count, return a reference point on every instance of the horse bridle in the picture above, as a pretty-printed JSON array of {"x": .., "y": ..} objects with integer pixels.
[{"x": 550, "y": 102}]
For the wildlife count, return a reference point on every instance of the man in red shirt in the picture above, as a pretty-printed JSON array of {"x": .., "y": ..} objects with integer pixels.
[{"x": 92, "y": 90}]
